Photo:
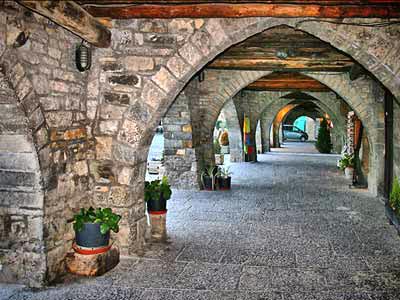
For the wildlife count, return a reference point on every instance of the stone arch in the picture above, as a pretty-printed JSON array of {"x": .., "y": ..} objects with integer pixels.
[
  {"x": 156, "y": 92},
  {"x": 270, "y": 115},
  {"x": 223, "y": 33},
  {"x": 52, "y": 96},
  {"x": 263, "y": 101},
  {"x": 22, "y": 249}
]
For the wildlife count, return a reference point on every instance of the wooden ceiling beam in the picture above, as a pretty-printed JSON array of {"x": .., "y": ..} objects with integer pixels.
[
  {"x": 320, "y": 2},
  {"x": 276, "y": 64},
  {"x": 74, "y": 18},
  {"x": 287, "y": 82},
  {"x": 236, "y": 10}
]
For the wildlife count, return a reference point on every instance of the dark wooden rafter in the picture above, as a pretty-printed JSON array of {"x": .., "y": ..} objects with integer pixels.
[
  {"x": 283, "y": 48},
  {"x": 73, "y": 17},
  {"x": 287, "y": 82},
  {"x": 320, "y": 2},
  {"x": 202, "y": 9}
]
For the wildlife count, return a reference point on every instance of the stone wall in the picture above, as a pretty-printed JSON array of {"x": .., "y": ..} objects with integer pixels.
[
  {"x": 52, "y": 94},
  {"x": 22, "y": 257},
  {"x": 92, "y": 131},
  {"x": 180, "y": 160}
]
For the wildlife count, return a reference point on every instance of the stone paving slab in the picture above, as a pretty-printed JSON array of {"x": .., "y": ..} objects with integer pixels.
[{"x": 290, "y": 229}]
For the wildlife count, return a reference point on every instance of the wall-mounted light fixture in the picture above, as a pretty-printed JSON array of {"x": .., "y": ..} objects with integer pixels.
[
  {"x": 201, "y": 76},
  {"x": 83, "y": 57},
  {"x": 21, "y": 39}
]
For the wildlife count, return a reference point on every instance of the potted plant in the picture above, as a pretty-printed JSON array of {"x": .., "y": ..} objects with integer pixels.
[
  {"x": 208, "y": 178},
  {"x": 393, "y": 205},
  {"x": 224, "y": 178},
  {"x": 219, "y": 158},
  {"x": 346, "y": 163},
  {"x": 156, "y": 194},
  {"x": 92, "y": 227}
]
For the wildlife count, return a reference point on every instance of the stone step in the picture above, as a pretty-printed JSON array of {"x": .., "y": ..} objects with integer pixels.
[
  {"x": 15, "y": 143},
  {"x": 20, "y": 161},
  {"x": 16, "y": 178}
]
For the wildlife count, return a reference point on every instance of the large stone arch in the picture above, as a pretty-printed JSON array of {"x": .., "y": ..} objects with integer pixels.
[
  {"x": 328, "y": 101},
  {"x": 258, "y": 106},
  {"x": 51, "y": 94},
  {"x": 157, "y": 82},
  {"x": 323, "y": 100},
  {"x": 22, "y": 251}
]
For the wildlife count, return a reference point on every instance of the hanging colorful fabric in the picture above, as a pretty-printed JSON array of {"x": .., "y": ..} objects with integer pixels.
[{"x": 246, "y": 134}]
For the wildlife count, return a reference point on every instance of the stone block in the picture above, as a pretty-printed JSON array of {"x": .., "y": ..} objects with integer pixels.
[
  {"x": 119, "y": 196},
  {"x": 164, "y": 79},
  {"x": 103, "y": 147},
  {"x": 190, "y": 54},
  {"x": 138, "y": 63},
  {"x": 178, "y": 67},
  {"x": 158, "y": 223},
  {"x": 92, "y": 265}
]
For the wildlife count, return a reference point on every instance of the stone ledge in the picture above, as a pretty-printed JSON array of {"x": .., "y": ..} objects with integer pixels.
[{"x": 92, "y": 265}]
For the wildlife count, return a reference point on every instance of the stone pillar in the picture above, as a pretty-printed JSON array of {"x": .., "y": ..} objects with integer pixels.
[
  {"x": 275, "y": 134},
  {"x": 264, "y": 127},
  {"x": 179, "y": 155},
  {"x": 235, "y": 133},
  {"x": 158, "y": 224}
]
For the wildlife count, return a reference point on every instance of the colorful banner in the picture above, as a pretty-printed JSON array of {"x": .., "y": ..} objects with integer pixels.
[{"x": 246, "y": 136}]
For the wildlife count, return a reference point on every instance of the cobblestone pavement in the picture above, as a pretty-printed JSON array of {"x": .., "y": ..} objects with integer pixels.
[{"x": 289, "y": 229}]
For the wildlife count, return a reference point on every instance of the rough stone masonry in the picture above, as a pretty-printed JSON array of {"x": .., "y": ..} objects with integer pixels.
[{"x": 85, "y": 136}]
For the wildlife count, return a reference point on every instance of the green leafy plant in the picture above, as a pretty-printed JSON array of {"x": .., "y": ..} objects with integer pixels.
[
  {"x": 324, "y": 144},
  {"x": 394, "y": 199},
  {"x": 346, "y": 161},
  {"x": 209, "y": 172},
  {"x": 105, "y": 217},
  {"x": 224, "y": 172},
  {"x": 154, "y": 189},
  {"x": 217, "y": 147}
]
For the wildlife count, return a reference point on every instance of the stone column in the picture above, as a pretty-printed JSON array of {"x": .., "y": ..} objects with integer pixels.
[
  {"x": 235, "y": 133},
  {"x": 179, "y": 154},
  {"x": 158, "y": 224},
  {"x": 275, "y": 134},
  {"x": 264, "y": 126}
]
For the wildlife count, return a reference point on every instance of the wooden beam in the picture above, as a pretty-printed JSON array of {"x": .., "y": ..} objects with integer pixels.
[
  {"x": 228, "y": 10},
  {"x": 320, "y": 2},
  {"x": 276, "y": 64},
  {"x": 287, "y": 82},
  {"x": 74, "y": 18}
]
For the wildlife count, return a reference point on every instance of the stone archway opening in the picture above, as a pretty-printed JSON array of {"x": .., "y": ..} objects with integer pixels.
[
  {"x": 22, "y": 252},
  {"x": 144, "y": 97}
]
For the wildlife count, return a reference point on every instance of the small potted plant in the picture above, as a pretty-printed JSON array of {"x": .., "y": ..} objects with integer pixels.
[
  {"x": 224, "y": 178},
  {"x": 208, "y": 178},
  {"x": 156, "y": 194},
  {"x": 219, "y": 158},
  {"x": 92, "y": 227},
  {"x": 393, "y": 206},
  {"x": 346, "y": 163}
]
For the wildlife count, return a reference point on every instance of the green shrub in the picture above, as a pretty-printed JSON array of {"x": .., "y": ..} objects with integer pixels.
[
  {"x": 105, "y": 217},
  {"x": 217, "y": 147},
  {"x": 154, "y": 189},
  {"x": 394, "y": 199},
  {"x": 324, "y": 144},
  {"x": 346, "y": 161}
]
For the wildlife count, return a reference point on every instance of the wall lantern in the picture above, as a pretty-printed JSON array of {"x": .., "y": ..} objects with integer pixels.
[
  {"x": 83, "y": 57},
  {"x": 21, "y": 39},
  {"x": 201, "y": 76}
]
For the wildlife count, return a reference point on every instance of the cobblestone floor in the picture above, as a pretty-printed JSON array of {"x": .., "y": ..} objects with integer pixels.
[{"x": 289, "y": 229}]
